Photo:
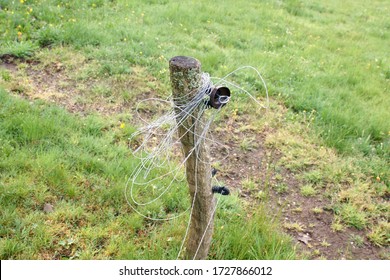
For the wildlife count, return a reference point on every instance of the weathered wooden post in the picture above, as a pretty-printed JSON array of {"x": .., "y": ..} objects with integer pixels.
[{"x": 185, "y": 74}]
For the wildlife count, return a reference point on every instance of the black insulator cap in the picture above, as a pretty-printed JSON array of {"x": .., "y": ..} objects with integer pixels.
[
  {"x": 217, "y": 94},
  {"x": 221, "y": 190}
]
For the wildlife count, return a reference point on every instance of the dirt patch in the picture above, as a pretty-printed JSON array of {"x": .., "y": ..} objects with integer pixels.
[
  {"x": 8, "y": 62},
  {"x": 307, "y": 219},
  {"x": 53, "y": 82}
]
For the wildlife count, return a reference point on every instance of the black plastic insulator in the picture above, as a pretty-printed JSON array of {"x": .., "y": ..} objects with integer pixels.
[
  {"x": 221, "y": 190},
  {"x": 216, "y": 94}
]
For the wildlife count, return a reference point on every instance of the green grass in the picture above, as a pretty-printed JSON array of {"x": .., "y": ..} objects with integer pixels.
[
  {"x": 263, "y": 240},
  {"x": 307, "y": 50},
  {"x": 51, "y": 156},
  {"x": 327, "y": 61},
  {"x": 353, "y": 217},
  {"x": 18, "y": 49},
  {"x": 380, "y": 234}
]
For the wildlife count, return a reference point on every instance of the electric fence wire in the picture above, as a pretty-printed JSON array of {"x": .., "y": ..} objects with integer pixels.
[{"x": 156, "y": 157}]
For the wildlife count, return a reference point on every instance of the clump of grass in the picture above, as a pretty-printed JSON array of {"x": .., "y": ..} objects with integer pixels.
[
  {"x": 308, "y": 190},
  {"x": 337, "y": 226},
  {"x": 325, "y": 243},
  {"x": 317, "y": 210},
  {"x": 352, "y": 216},
  {"x": 297, "y": 209},
  {"x": 263, "y": 238},
  {"x": 380, "y": 234},
  {"x": 10, "y": 248},
  {"x": 294, "y": 226},
  {"x": 247, "y": 144},
  {"x": 49, "y": 36},
  {"x": 357, "y": 240},
  {"x": 262, "y": 195},
  {"x": 5, "y": 75},
  {"x": 314, "y": 176},
  {"x": 316, "y": 252},
  {"x": 22, "y": 49},
  {"x": 249, "y": 184},
  {"x": 281, "y": 188}
]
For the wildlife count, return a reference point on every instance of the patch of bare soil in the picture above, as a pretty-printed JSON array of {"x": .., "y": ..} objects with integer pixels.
[
  {"x": 312, "y": 230},
  {"x": 53, "y": 83},
  {"x": 8, "y": 63},
  {"x": 245, "y": 157}
]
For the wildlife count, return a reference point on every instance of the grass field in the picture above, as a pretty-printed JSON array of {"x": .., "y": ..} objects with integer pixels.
[{"x": 328, "y": 73}]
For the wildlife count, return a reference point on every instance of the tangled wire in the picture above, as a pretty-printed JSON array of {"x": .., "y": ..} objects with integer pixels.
[{"x": 160, "y": 168}]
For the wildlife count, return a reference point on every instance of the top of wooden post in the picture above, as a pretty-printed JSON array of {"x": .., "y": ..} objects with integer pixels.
[
  {"x": 185, "y": 75},
  {"x": 184, "y": 62}
]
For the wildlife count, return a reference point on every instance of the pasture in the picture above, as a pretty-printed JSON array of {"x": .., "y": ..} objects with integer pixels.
[{"x": 309, "y": 176}]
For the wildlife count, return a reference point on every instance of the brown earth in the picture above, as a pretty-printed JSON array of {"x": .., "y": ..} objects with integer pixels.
[{"x": 314, "y": 237}]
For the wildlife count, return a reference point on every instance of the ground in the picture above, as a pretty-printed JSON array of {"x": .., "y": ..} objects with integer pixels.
[
  {"x": 311, "y": 228},
  {"x": 256, "y": 165}
]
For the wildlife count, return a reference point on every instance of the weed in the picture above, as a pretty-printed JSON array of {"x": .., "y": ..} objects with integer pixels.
[
  {"x": 352, "y": 216},
  {"x": 314, "y": 177},
  {"x": 317, "y": 210},
  {"x": 293, "y": 227},
  {"x": 308, "y": 190},
  {"x": 297, "y": 210},
  {"x": 49, "y": 36},
  {"x": 381, "y": 189},
  {"x": 357, "y": 240},
  {"x": 324, "y": 243},
  {"x": 247, "y": 144},
  {"x": 281, "y": 188},
  {"x": 262, "y": 195},
  {"x": 17, "y": 49},
  {"x": 316, "y": 252},
  {"x": 249, "y": 184},
  {"x": 5, "y": 75},
  {"x": 380, "y": 234},
  {"x": 337, "y": 226},
  {"x": 10, "y": 248}
]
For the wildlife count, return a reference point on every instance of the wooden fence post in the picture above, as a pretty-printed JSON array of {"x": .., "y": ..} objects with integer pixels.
[{"x": 185, "y": 74}]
